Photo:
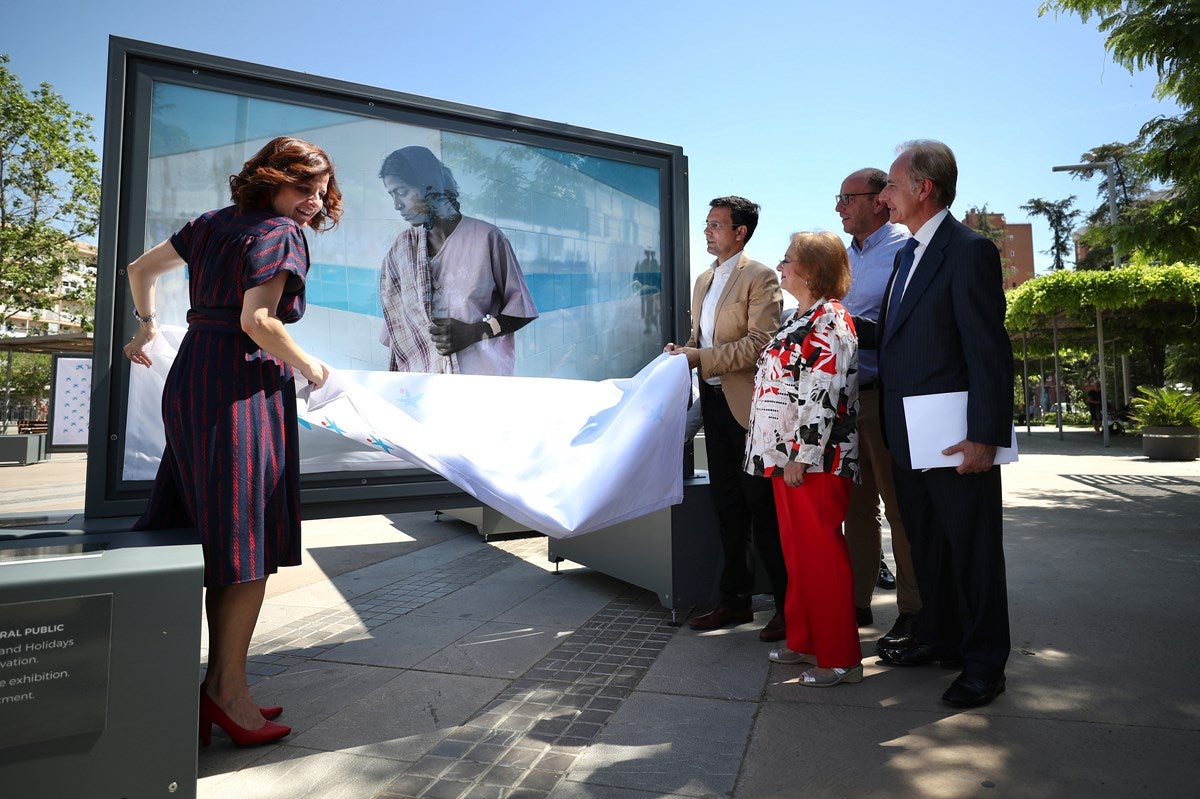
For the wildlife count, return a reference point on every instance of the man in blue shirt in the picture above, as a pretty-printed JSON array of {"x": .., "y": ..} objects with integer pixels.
[{"x": 872, "y": 254}]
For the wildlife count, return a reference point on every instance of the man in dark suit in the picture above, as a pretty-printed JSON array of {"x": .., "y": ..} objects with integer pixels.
[
  {"x": 942, "y": 330},
  {"x": 736, "y": 307}
]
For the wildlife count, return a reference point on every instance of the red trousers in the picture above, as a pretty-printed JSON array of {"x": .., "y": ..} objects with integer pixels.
[{"x": 819, "y": 610}]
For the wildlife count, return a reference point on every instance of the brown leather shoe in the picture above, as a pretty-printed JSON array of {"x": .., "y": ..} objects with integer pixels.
[
  {"x": 721, "y": 616},
  {"x": 775, "y": 630}
]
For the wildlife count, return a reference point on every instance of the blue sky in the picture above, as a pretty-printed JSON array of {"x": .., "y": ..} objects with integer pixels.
[{"x": 776, "y": 101}]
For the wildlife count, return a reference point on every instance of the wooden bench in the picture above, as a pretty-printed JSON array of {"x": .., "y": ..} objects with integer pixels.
[{"x": 32, "y": 428}]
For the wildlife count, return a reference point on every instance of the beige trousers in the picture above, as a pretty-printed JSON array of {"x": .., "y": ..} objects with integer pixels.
[{"x": 863, "y": 520}]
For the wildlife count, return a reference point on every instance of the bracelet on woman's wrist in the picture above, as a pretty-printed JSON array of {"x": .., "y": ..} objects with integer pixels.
[{"x": 144, "y": 319}]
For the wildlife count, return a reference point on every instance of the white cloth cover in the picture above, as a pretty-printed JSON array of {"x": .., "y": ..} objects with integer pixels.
[{"x": 563, "y": 457}]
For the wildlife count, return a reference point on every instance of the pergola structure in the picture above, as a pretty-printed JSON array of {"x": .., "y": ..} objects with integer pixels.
[
  {"x": 53, "y": 344},
  {"x": 1061, "y": 323},
  {"x": 1150, "y": 304}
]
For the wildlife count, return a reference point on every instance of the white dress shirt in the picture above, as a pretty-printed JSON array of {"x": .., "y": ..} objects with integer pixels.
[
  {"x": 708, "y": 309},
  {"x": 923, "y": 237}
]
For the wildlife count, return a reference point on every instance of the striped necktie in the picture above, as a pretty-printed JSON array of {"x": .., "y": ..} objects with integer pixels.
[{"x": 906, "y": 263}]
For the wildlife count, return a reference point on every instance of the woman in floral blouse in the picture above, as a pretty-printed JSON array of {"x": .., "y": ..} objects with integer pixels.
[{"x": 803, "y": 434}]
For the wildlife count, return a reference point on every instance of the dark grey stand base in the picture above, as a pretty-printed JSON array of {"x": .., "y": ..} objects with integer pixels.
[
  {"x": 674, "y": 552},
  {"x": 147, "y": 746}
]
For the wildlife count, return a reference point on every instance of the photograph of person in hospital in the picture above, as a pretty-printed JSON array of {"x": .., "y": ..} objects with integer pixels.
[{"x": 452, "y": 291}]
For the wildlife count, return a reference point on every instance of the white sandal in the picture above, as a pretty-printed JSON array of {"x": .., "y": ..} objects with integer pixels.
[
  {"x": 824, "y": 678},
  {"x": 781, "y": 654}
]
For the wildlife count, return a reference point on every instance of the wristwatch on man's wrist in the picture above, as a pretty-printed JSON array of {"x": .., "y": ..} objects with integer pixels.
[{"x": 493, "y": 326}]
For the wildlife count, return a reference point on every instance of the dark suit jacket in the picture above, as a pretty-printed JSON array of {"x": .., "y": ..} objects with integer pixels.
[{"x": 949, "y": 336}]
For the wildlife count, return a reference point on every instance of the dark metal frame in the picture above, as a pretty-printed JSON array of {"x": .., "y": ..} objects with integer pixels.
[{"x": 132, "y": 68}]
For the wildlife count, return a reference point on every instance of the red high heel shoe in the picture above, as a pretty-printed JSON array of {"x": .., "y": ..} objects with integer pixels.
[
  {"x": 211, "y": 714},
  {"x": 269, "y": 713}
]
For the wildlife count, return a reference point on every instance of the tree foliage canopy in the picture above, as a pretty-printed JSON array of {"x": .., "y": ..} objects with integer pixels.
[
  {"x": 1148, "y": 308},
  {"x": 30, "y": 378},
  {"x": 1060, "y": 215},
  {"x": 1163, "y": 35},
  {"x": 1075, "y": 296},
  {"x": 1148, "y": 34},
  {"x": 49, "y": 192},
  {"x": 1130, "y": 179}
]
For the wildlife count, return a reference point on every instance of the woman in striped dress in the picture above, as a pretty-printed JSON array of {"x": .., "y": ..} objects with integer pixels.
[{"x": 231, "y": 466}]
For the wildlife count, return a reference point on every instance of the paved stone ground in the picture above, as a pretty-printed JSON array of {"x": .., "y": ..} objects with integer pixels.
[
  {"x": 529, "y": 735},
  {"x": 416, "y": 660},
  {"x": 52, "y": 488}
]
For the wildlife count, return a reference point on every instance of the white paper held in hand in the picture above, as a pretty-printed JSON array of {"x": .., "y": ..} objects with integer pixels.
[{"x": 937, "y": 421}]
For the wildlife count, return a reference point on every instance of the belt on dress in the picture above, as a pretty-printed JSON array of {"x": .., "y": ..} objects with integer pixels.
[{"x": 225, "y": 320}]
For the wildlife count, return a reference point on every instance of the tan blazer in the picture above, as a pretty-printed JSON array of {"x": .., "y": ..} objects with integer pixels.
[{"x": 747, "y": 317}]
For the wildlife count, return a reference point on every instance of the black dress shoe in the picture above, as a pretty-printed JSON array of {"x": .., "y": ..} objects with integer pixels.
[
  {"x": 917, "y": 655},
  {"x": 864, "y": 617},
  {"x": 887, "y": 580},
  {"x": 720, "y": 616},
  {"x": 901, "y": 634},
  {"x": 973, "y": 691},
  {"x": 911, "y": 655},
  {"x": 776, "y": 629}
]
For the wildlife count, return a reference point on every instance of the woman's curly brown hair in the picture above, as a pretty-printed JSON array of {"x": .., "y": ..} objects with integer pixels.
[{"x": 286, "y": 161}]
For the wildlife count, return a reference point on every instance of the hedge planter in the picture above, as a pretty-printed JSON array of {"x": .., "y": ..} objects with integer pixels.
[{"x": 1171, "y": 443}]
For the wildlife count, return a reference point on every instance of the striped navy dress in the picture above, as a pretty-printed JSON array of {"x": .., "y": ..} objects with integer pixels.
[{"x": 231, "y": 467}]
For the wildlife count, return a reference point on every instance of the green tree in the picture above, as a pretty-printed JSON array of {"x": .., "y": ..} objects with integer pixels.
[
  {"x": 979, "y": 220},
  {"x": 30, "y": 378},
  {"x": 1183, "y": 363},
  {"x": 49, "y": 196},
  {"x": 1130, "y": 181},
  {"x": 1131, "y": 186},
  {"x": 1061, "y": 217},
  {"x": 1163, "y": 35}
]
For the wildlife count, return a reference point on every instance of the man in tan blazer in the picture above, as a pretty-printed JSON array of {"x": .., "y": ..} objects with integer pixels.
[{"x": 736, "y": 307}]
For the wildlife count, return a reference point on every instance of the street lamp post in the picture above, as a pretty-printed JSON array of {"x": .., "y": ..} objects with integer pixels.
[{"x": 1110, "y": 170}]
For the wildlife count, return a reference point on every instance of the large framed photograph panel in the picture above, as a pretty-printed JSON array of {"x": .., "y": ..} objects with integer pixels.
[{"x": 590, "y": 225}]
